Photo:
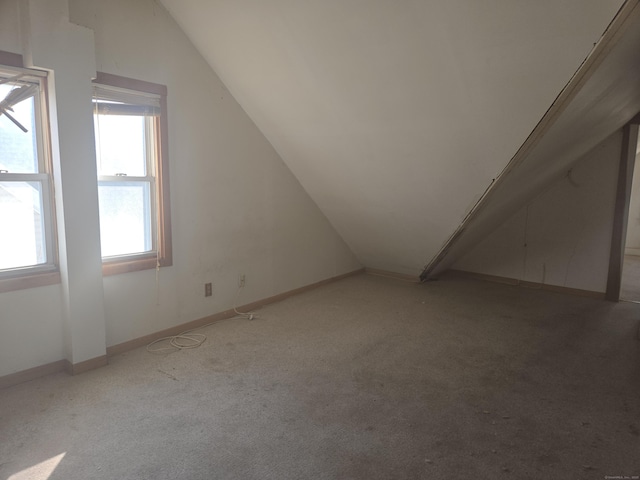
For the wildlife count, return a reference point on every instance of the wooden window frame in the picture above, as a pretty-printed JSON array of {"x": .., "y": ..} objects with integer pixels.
[
  {"x": 163, "y": 256},
  {"x": 48, "y": 274}
]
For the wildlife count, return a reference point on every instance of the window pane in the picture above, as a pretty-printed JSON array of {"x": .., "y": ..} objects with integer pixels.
[
  {"x": 120, "y": 141},
  {"x": 18, "y": 150},
  {"x": 22, "y": 242},
  {"x": 125, "y": 218}
]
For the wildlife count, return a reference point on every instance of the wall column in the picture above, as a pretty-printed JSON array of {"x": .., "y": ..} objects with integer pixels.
[{"x": 67, "y": 51}]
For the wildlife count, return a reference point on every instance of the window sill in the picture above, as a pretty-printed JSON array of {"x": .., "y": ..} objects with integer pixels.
[
  {"x": 32, "y": 280},
  {"x": 134, "y": 265}
]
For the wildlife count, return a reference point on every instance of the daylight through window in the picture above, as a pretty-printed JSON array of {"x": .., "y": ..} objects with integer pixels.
[
  {"x": 26, "y": 243},
  {"x": 133, "y": 200}
]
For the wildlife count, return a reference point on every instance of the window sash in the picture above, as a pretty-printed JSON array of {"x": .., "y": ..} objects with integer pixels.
[
  {"x": 150, "y": 154},
  {"x": 14, "y": 278},
  {"x": 136, "y": 97},
  {"x": 149, "y": 206},
  {"x": 34, "y": 78},
  {"x": 44, "y": 181}
]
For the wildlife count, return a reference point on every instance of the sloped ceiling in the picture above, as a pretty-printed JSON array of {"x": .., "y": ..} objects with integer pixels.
[
  {"x": 602, "y": 97},
  {"x": 395, "y": 116}
]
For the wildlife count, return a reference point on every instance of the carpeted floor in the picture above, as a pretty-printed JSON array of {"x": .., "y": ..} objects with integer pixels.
[{"x": 366, "y": 378}]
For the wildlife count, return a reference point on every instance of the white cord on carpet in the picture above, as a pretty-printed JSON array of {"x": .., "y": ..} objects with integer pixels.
[
  {"x": 187, "y": 339},
  {"x": 248, "y": 315}
]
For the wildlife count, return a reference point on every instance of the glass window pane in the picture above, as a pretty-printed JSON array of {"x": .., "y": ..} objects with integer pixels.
[
  {"x": 18, "y": 149},
  {"x": 125, "y": 218},
  {"x": 120, "y": 141},
  {"x": 22, "y": 242}
]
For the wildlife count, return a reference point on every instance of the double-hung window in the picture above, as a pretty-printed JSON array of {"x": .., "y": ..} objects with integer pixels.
[
  {"x": 130, "y": 138},
  {"x": 27, "y": 240}
]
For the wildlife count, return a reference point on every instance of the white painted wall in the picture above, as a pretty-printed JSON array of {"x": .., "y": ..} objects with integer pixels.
[
  {"x": 49, "y": 42},
  {"x": 632, "y": 246},
  {"x": 31, "y": 328},
  {"x": 395, "y": 115},
  {"x": 236, "y": 208},
  {"x": 66, "y": 50},
  {"x": 604, "y": 102},
  {"x": 563, "y": 236},
  {"x": 9, "y": 31},
  {"x": 31, "y": 332}
]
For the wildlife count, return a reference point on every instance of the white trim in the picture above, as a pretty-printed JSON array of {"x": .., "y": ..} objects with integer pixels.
[
  {"x": 124, "y": 95},
  {"x": 28, "y": 72},
  {"x": 24, "y": 177}
]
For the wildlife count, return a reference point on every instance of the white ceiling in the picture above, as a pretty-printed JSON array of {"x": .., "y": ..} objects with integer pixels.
[{"x": 395, "y": 115}]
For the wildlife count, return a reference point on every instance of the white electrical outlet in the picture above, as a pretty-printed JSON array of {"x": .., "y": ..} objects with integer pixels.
[{"x": 241, "y": 280}]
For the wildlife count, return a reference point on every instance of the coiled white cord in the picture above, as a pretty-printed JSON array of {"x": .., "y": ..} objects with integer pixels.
[{"x": 188, "y": 339}]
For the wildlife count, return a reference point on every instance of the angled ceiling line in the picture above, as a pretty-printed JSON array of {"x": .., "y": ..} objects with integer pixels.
[{"x": 607, "y": 41}]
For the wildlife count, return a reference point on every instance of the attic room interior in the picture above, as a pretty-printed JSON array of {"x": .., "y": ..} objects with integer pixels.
[{"x": 322, "y": 239}]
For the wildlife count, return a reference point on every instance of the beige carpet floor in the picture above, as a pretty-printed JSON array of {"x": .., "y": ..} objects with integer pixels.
[{"x": 366, "y": 378}]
